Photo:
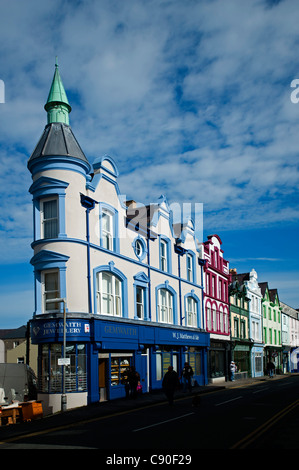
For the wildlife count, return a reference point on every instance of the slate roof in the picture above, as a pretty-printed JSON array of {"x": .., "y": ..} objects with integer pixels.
[
  {"x": 58, "y": 139},
  {"x": 13, "y": 333}
]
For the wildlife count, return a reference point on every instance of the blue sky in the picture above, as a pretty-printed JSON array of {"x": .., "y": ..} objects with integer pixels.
[{"x": 192, "y": 99}]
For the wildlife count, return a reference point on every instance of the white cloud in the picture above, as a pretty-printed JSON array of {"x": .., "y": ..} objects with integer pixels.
[{"x": 192, "y": 99}]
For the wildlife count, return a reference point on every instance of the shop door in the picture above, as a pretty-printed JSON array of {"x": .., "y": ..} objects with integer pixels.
[
  {"x": 142, "y": 368},
  {"x": 102, "y": 379}
]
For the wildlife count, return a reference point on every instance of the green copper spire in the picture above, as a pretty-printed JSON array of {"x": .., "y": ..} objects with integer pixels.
[{"x": 57, "y": 105}]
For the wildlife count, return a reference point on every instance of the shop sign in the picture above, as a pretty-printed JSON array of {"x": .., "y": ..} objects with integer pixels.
[
  {"x": 120, "y": 331},
  {"x": 186, "y": 336},
  {"x": 181, "y": 337},
  {"x": 64, "y": 361},
  {"x": 53, "y": 329}
]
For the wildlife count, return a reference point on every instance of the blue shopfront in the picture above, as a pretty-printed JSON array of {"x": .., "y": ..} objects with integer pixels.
[{"x": 100, "y": 350}]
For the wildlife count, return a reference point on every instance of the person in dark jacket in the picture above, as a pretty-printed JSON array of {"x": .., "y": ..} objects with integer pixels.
[
  {"x": 187, "y": 374},
  {"x": 270, "y": 369},
  {"x": 133, "y": 378},
  {"x": 170, "y": 383}
]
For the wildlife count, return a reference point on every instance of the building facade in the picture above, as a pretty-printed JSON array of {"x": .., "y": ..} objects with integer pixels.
[
  {"x": 255, "y": 321},
  {"x": 216, "y": 281},
  {"x": 271, "y": 327},
  {"x": 239, "y": 317},
  {"x": 131, "y": 282},
  {"x": 290, "y": 338},
  {"x": 16, "y": 347}
]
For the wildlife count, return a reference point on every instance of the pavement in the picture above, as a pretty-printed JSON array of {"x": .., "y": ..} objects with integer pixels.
[{"x": 121, "y": 405}]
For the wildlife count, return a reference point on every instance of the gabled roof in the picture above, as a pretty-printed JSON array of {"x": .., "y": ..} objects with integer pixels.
[
  {"x": 242, "y": 277},
  {"x": 14, "y": 333},
  {"x": 264, "y": 287},
  {"x": 272, "y": 294}
]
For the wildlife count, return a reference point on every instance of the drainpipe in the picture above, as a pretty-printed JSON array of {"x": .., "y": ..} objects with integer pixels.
[
  {"x": 149, "y": 277},
  {"x": 180, "y": 252},
  {"x": 202, "y": 263},
  {"x": 88, "y": 204}
]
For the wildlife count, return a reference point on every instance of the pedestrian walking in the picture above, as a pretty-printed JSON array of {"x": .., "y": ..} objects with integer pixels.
[
  {"x": 187, "y": 375},
  {"x": 125, "y": 382},
  {"x": 270, "y": 369},
  {"x": 232, "y": 371},
  {"x": 170, "y": 383},
  {"x": 133, "y": 378}
]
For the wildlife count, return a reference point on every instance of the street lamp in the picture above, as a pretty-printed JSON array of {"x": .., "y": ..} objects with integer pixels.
[{"x": 63, "y": 363}]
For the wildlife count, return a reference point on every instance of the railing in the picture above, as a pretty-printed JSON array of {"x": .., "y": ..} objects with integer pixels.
[{"x": 73, "y": 383}]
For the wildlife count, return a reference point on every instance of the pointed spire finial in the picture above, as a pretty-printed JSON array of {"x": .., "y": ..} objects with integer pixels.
[{"x": 57, "y": 106}]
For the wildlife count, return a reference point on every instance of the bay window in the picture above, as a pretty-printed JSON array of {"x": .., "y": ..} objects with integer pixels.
[{"x": 51, "y": 373}]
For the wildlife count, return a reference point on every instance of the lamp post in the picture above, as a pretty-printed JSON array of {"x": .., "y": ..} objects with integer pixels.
[{"x": 63, "y": 363}]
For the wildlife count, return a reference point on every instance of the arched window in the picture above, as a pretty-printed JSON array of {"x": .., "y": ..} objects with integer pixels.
[
  {"x": 208, "y": 317},
  {"x": 109, "y": 294},
  {"x": 191, "y": 266},
  {"x": 165, "y": 254},
  {"x": 110, "y": 291},
  {"x": 214, "y": 319},
  {"x": 108, "y": 227},
  {"x": 191, "y": 312},
  {"x": 221, "y": 319},
  {"x": 165, "y": 306}
]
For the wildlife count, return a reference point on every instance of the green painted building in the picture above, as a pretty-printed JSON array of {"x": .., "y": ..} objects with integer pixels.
[{"x": 271, "y": 312}]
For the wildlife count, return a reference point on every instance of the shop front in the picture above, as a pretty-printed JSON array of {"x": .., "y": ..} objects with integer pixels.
[
  {"x": 274, "y": 354},
  {"x": 241, "y": 357},
  {"x": 219, "y": 360},
  {"x": 99, "y": 352},
  {"x": 257, "y": 369}
]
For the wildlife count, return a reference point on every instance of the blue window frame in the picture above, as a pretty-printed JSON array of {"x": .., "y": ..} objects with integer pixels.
[
  {"x": 51, "y": 373},
  {"x": 110, "y": 291},
  {"x": 165, "y": 254},
  {"x": 49, "y": 207},
  {"x": 51, "y": 264},
  {"x": 141, "y": 292},
  {"x": 191, "y": 266},
  {"x": 166, "y": 304},
  {"x": 109, "y": 238},
  {"x": 139, "y": 247},
  {"x": 192, "y": 310}
]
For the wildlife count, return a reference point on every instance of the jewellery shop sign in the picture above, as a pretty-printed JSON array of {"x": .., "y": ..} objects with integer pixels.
[{"x": 76, "y": 330}]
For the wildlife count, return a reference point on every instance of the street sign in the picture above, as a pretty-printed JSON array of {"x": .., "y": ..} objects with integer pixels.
[{"x": 64, "y": 361}]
